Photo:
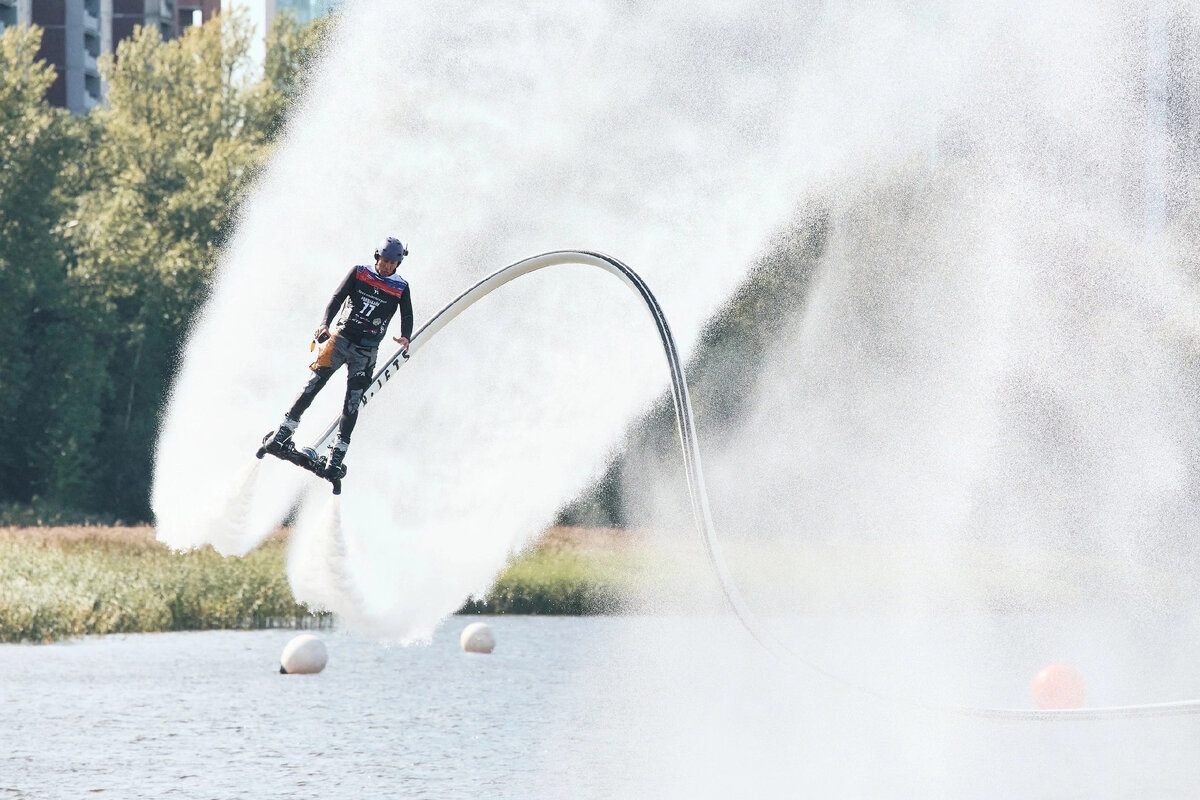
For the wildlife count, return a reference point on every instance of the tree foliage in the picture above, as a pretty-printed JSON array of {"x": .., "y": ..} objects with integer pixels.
[
  {"x": 176, "y": 147},
  {"x": 110, "y": 226},
  {"x": 291, "y": 50},
  {"x": 38, "y": 146}
]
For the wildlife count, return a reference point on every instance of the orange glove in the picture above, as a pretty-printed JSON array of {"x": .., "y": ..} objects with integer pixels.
[{"x": 324, "y": 354}]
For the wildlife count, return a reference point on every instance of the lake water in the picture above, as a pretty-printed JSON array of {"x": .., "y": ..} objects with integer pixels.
[{"x": 585, "y": 707}]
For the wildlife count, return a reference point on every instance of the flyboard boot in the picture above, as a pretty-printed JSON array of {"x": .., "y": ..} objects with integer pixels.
[
  {"x": 279, "y": 441},
  {"x": 335, "y": 470}
]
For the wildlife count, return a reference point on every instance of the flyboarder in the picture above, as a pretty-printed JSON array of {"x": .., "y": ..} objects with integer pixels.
[{"x": 363, "y": 305}]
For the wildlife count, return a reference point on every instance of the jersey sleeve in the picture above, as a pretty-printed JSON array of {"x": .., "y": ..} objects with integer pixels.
[
  {"x": 406, "y": 314},
  {"x": 339, "y": 297}
]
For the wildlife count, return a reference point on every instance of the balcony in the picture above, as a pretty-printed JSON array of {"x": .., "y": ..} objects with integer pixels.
[
  {"x": 92, "y": 89},
  {"x": 91, "y": 15},
  {"x": 91, "y": 47}
]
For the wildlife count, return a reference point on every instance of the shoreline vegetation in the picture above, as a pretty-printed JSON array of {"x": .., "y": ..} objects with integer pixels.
[
  {"x": 61, "y": 582},
  {"x": 67, "y": 581}
]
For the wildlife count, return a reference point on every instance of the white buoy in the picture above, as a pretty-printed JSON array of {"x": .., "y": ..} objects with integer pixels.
[
  {"x": 303, "y": 655},
  {"x": 477, "y": 638}
]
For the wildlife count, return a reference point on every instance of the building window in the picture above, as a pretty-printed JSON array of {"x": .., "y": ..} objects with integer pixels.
[
  {"x": 91, "y": 41},
  {"x": 307, "y": 10},
  {"x": 8, "y": 15},
  {"x": 91, "y": 83}
]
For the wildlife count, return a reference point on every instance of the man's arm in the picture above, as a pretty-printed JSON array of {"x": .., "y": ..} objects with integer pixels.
[
  {"x": 335, "y": 304},
  {"x": 406, "y": 321},
  {"x": 406, "y": 317}
]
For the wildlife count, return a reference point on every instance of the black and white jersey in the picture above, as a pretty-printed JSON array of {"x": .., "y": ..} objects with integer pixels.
[{"x": 371, "y": 300}]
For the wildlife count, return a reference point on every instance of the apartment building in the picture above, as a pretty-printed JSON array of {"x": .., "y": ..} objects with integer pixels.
[
  {"x": 14, "y": 12},
  {"x": 306, "y": 10},
  {"x": 260, "y": 13},
  {"x": 194, "y": 12},
  {"x": 76, "y": 32}
]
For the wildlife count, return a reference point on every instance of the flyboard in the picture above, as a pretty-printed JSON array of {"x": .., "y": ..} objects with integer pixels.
[
  {"x": 701, "y": 514},
  {"x": 305, "y": 458}
]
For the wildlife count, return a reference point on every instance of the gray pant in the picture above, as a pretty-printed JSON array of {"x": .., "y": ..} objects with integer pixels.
[{"x": 360, "y": 363}]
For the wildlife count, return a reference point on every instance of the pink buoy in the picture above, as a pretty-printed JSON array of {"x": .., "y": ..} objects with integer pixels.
[{"x": 1058, "y": 686}]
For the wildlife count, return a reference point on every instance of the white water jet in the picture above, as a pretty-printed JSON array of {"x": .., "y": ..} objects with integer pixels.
[
  {"x": 474, "y": 142},
  {"x": 983, "y": 296},
  {"x": 974, "y": 445},
  {"x": 231, "y": 511},
  {"x": 320, "y": 563},
  {"x": 678, "y": 139}
]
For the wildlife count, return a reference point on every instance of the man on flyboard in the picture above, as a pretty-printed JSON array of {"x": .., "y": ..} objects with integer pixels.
[{"x": 363, "y": 306}]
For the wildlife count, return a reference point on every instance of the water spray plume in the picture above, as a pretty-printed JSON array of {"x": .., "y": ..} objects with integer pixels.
[
  {"x": 992, "y": 373},
  {"x": 319, "y": 562},
  {"x": 512, "y": 414}
]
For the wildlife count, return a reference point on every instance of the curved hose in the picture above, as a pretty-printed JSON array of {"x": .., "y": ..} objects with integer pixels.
[{"x": 701, "y": 515}]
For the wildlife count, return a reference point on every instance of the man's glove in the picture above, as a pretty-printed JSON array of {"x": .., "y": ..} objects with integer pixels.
[{"x": 325, "y": 354}]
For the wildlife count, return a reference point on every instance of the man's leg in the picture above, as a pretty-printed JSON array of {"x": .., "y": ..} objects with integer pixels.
[
  {"x": 291, "y": 419},
  {"x": 361, "y": 365},
  {"x": 320, "y": 377},
  {"x": 315, "y": 384}
]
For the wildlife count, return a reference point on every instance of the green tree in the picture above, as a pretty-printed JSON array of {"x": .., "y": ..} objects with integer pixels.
[
  {"x": 39, "y": 148},
  {"x": 179, "y": 141},
  {"x": 292, "y": 49},
  {"x": 110, "y": 225},
  {"x": 186, "y": 127}
]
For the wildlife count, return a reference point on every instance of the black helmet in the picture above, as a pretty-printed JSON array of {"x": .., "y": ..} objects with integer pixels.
[{"x": 392, "y": 249}]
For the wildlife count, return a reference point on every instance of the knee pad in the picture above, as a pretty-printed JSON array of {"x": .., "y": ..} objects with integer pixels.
[{"x": 356, "y": 386}]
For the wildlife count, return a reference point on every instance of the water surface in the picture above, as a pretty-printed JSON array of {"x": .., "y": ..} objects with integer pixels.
[{"x": 594, "y": 707}]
